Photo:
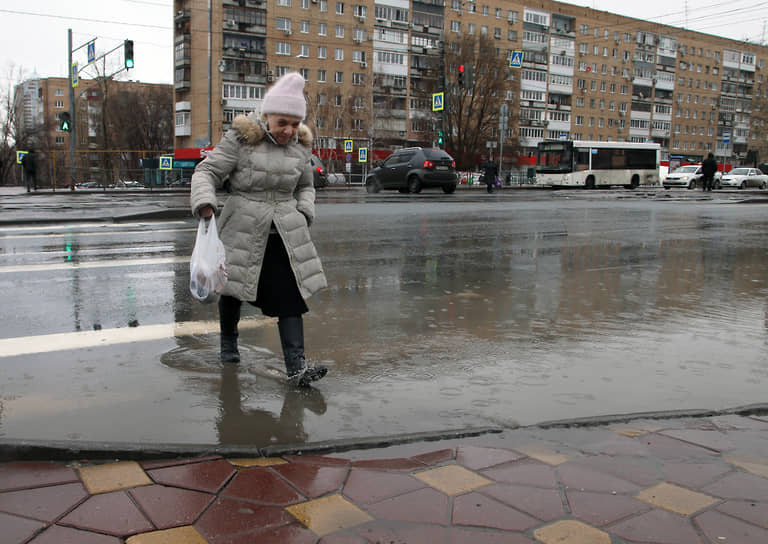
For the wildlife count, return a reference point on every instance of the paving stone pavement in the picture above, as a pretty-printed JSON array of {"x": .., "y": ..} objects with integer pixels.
[{"x": 666, "y": 481}]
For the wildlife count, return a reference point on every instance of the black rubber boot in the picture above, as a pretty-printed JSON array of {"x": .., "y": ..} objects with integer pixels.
[
  {"x": 292, "y": 340},
  {"x": 229, "y": 351},
  {"x": 229, "y": 317}
]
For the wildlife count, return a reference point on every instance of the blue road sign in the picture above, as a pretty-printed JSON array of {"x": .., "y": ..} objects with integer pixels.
[
  {"x": 91, "y": 52},
  {"x": 362, "y": 154},
  {"x": 20, "y": 156},
  {"x": 166, "y": 163},
  {"x": 349, "y": 146},
  {"x": 438, "y": 101},
  {"x": 726, "y": 136},
  {"x": 74, "y": 75},
  {"x": 516, "y": 59}
]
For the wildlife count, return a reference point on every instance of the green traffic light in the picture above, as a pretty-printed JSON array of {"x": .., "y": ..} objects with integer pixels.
[{"x": 129, "y": 63}]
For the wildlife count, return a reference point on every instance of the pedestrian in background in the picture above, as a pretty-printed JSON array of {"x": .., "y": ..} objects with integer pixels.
[
  {"x": 708, "y": 170},
  {"x": 270, "y": 258},
  {"x": 29, "y": 165},
  {"x": 490, "y": 172}
]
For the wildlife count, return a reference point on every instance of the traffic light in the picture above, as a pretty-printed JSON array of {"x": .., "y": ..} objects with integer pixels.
[
  {"x": 469, "y": 76},
  {"x": 64, "y": 121},
  {"x": 128, "y": 50},
  {"x": 461, "y": 75},
  {"x": 440, "y": 138}
]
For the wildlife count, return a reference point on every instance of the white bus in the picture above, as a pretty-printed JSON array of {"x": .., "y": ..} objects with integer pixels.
[{"x": 579, "y": 163}]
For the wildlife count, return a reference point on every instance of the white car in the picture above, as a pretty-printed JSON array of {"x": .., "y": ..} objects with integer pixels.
[
  {"x": 744, "y": 177},
  {"x": 688, "y": 177}
]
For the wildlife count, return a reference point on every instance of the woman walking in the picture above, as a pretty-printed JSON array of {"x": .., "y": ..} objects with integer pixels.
[{"x": 264, "y": 225}]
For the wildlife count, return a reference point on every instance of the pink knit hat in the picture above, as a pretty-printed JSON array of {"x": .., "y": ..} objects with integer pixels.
[{"x": 286, "y": 96}]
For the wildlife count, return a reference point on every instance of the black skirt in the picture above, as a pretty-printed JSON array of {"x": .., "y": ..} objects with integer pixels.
[{"x": 278, "y": 294}]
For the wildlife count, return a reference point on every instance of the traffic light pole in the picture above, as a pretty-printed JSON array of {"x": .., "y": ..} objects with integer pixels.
[{"x": 73, "y": 119}]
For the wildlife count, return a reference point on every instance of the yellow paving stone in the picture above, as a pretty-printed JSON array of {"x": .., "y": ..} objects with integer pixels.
[
  {"x": 543, "y": 454},
  {"x": 571, "y": 532},
  {"x": 328, "y": 514},
  {"x": 452, "y": 479},
  {"x": 113, "y": 476},
  {"x": 178, "y": 535},
  {"x": 630, "y": 432},
  {"x": 257, "y": 461},
  {"x": 751, "y": 463},
  {"x": 675, "y": 498}
]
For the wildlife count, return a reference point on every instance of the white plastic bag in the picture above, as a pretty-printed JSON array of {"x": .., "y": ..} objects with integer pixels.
[{"x": 207, "y": 270}]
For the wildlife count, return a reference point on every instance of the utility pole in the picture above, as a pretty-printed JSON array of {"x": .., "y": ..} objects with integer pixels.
[{"x": 503, "y": 112}]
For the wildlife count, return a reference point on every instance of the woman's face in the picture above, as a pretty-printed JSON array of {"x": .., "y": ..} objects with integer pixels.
[{"x": 283, "y": 127}]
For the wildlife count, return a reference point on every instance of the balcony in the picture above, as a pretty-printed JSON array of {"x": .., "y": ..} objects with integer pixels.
[
  {"x": 182, "y": 85},
  {"x": 182, "y": 16}
]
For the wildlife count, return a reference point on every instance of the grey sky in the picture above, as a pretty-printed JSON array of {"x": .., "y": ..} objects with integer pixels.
[{"x": 34, "y": 33}]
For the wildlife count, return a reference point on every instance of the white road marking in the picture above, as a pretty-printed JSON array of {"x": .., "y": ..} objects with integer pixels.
[
  {"x": 77, "y": 234},
  {"x": 95, "y": 264},
  {"x": 26, "y": 345}
]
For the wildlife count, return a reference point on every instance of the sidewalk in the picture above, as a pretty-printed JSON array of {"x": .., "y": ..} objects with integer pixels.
[{"x": 695, "y": 480}]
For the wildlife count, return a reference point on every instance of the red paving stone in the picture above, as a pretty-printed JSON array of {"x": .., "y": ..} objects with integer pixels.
[
  {"x": 23, "y": 475},
  {"x": 207, "y": 476},
  {"x": 169, "y": 507},
  {"x": 17, "y": 530},
  {"x": 658, "y": 527},
  {"x": 67, "y": 535},
  {"x": 544, "y": 504},
  {"x": 111, "y": 513},
  {"x": 313, "y": 480},
  {"x": 263, "y": 486},
  {"x": 367, "y": 486},
  {"x": 226, "y": 518},
  {"x": 718, "y": 527},
  {"x": 478, "y": 510},
  {"x": 247, "y": 505},
  {"x": 43, "y": 503},
  {"x": 598, "y": 509},
  {"x": 526, "y": 472},
  {"x": 754, "y": 512}
]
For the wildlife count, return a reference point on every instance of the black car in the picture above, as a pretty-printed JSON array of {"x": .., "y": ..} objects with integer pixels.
[
  {"x": 318, "y": 169},
  {"x": 411, "y": 169}
]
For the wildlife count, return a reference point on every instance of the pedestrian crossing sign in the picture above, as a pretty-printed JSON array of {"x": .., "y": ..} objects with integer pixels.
[
  {"x": 166, "y": 163},
  {"x": 362, "y": 154},
  {"x": 349, "y": 146},
  {"x": 438, "y": 101},
  {"x": 516, "y": 59}
]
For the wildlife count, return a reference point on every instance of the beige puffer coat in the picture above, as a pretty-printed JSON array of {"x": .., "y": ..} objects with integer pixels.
[{"x": 270, "y": 183}]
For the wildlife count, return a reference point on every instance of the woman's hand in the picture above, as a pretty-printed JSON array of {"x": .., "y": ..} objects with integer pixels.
[{"x": 206, "y": 211}]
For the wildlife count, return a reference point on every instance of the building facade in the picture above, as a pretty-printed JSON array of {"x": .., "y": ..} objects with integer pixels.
[{"x": 370, "y": 66}]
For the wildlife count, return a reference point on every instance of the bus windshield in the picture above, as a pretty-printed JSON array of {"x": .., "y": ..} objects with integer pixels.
[{"x": 554, "y": 157}]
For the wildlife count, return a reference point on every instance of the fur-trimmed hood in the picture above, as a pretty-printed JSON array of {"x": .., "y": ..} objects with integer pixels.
[{"x": 251, "y": 129}]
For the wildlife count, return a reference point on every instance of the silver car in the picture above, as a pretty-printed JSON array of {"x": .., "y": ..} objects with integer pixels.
[{"x": 745, "y": 177}]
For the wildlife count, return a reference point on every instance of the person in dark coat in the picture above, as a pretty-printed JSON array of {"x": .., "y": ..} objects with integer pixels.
[
  {"x": 29, "y": 164},
  {"x": 490, "y": 171},
  {"x": 708, "y": 169}
]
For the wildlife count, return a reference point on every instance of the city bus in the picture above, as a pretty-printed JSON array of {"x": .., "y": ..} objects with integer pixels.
[{"x": 580, "y": 163}]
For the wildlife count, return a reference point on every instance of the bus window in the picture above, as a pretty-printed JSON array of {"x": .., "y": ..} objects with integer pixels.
[
  {"x": 582, "y": 160},
  {"x": 641, "y": 158}
]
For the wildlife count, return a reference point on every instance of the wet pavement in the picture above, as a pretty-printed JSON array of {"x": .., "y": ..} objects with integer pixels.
[{"x": 673, "y": 481}]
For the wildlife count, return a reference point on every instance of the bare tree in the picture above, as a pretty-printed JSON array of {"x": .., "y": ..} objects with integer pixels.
[{"x": 471, "y": 116}]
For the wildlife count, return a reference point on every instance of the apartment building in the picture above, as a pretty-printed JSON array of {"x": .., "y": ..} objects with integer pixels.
[{"x": 370, "y": 66}]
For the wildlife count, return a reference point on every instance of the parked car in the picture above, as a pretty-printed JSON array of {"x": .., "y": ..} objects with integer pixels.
[
  {"x": 745, "y": 177},
  {"x": 411, "y": 169},
  {"x": 128, "y": 185},
  {"x": 321, "y": 178},
  {"x": 89, "y": 185},
  {"x": 689, "y": 177}
]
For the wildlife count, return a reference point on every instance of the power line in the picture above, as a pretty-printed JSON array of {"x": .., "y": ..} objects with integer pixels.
[{"x": 83, "y": 19}]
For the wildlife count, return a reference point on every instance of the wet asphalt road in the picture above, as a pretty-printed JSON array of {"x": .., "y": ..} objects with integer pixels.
[{"x": 443, "y": 312}]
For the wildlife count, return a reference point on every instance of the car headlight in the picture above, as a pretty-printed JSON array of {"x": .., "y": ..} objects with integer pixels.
[{"x": 683, "y": 178}]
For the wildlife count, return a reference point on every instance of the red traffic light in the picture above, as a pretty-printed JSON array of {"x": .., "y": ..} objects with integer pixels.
[{"x": 461, "y": 68}]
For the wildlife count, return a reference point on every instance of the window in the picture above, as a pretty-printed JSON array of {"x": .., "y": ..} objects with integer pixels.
[
  {"x": 338, "y": 54},
  {"x": 358, "y": 124},
  {"x": 303, "y": 51},
  {"x": 283, "y": 48},
  {"x": 338, "y": 100},
  {"x": 284, "y": 3},
  {"x": 304, "y": 27},
  {"x": 323, "y": 6},
  {"x": 58, "y": 104},
  {"x": 283, "y": 23},
  {"x": 321, "y": 79},
  {"x": 359, "y": 11},
  {"x": 339, "y": 8},
  {"x": 338, "y": 77},
  {"x": 455, "y": 26},
  {"x": 322, "y": 29},
  {"x": 58, "y": 92},
  {"x": 339, "y": 31},
  {"x": 322, "y": 52}
]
